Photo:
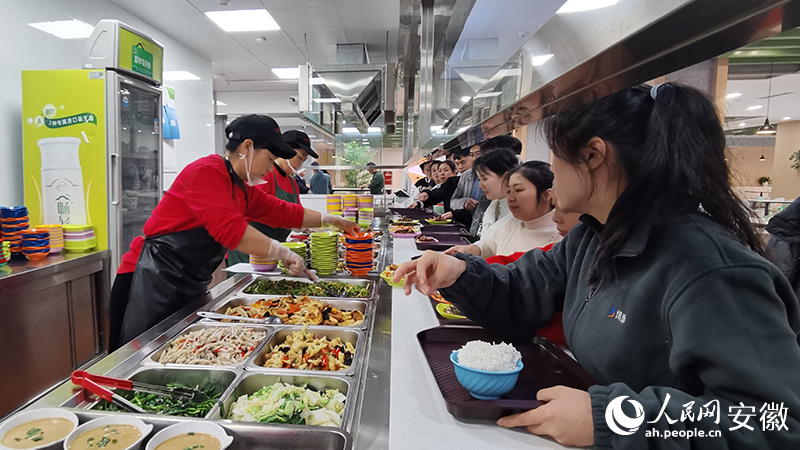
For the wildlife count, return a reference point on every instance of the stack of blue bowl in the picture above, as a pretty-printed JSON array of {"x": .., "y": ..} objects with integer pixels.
[{"x": 36, "y": 243}]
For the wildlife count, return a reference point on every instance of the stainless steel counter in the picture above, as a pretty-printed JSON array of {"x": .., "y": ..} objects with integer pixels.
[
  {"x": 52, "y": 320},
  {"x": 366, "y": 416}
]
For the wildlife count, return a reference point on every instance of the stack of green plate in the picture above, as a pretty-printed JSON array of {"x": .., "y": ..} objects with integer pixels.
[
  {"x": 324, "y": 252},
  {"x": 297, "y": 247}
]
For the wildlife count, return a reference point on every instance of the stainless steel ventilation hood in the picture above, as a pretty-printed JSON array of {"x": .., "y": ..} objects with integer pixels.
[{"x": 596, "y": 53}]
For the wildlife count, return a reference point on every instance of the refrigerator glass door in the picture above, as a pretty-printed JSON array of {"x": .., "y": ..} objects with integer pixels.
[{"x": 139, "y": 134}]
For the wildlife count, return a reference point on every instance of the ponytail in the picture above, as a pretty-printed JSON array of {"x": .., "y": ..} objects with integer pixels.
[{"x": 671, "y": 147}]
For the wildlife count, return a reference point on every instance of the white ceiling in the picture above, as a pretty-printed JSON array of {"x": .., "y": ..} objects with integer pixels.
[
  {"x": 755, "y": 92},
  {"x": 239, "y": 57}
]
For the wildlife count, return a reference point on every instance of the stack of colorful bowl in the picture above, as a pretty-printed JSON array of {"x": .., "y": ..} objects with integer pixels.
[
  {"x": 349, "y": 201},
  {"x": 56, "y": 237},
  {"x": 358, "y": 258},
  {"x": 36, "y": 243},
  {"x": 351, "y": 214},
  {"x": 79, "y": 238},
  {"x": 365, "y": 216},
  {"x": 5, "y": 252},
  {"x": 334, "y": 203},
  {"x": 324, "y": 252},
  {"x": 14, "y": 221},
  {"x": 365, "y": 201},
  {"x": 298, "y": 247},
  {"x": 262, "y": 264}
]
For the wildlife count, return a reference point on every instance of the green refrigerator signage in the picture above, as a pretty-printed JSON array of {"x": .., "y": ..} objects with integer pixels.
[{"x": 64, "y": 148}]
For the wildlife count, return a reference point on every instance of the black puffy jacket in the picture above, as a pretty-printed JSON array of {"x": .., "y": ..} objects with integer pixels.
[{"x": 785, "y": 243}]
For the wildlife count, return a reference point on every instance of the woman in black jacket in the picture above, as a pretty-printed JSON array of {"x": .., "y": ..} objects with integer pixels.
[
  {"x": 449, "y": 183},
  {"x": 785, "y": 243},
  {"x": 666, "y": 298}
]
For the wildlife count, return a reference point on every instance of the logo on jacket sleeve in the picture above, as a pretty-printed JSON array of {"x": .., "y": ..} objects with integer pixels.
[{"x": 619, "y": 422}]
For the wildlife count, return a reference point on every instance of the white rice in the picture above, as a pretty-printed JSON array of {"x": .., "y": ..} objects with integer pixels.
[{"x": 482, "y": 355}]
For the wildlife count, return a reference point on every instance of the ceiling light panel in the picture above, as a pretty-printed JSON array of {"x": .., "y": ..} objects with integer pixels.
[
  {"x": 733, "y": 95},
  {"x": 179, "y": 75},
  {"x": 244, "y": 20},
  {"x": 287, "y": 73},
  {"x": 573, "y": 6},
  {"x": 538, "y": 60},
  {"x": 65, "y": 29}
]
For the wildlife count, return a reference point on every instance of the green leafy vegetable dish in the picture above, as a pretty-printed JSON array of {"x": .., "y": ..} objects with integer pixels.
[
  {"x": 286, "y": 403},
  {"x": 169, "y": 406},
  {"x": 292, "y": 287}
]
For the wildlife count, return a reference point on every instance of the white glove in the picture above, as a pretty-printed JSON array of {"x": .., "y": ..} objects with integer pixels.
[{"x": 293, "y": 262}]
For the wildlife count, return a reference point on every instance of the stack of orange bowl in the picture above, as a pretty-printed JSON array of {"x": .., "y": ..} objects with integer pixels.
[
  {"x": 358, "y": 258},
  {"x": 14, "y": 221},
  {"x": 36, "y": 243},
  {"x": 334, "y": 203},
  {"x": 262, "y": 264},
  {"x": 56, "y": 237}
]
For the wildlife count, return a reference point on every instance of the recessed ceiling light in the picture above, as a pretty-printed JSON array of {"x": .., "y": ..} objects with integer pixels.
[
  {"x": 466, "y": 98},
  {"x": 787, "y": 118},
  {"x": 349, "y": 130},
  {"x": 754, "y": 107},
  {"x": 584, "y": 5},
  {"x": 540, "y": 59},
  {"x": 734, "y": 95},
  {"x": 743, "y": 124},
  {"x": 219, "y": 103},
  {"x": 244, "y": 20},
  {"x": 179, "y": 75},
  {"x": 327, "y": 100},
  {"x": 65, "y": 29},
  {"x": 286, "y": 73},
  {"x": 455, "y": 110}
]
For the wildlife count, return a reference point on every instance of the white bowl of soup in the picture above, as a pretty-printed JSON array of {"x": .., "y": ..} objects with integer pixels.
[
  {"x": 117, "y": 432},
  {"x": 37, "y": 429},
  {"x": 191, "y": 435}
]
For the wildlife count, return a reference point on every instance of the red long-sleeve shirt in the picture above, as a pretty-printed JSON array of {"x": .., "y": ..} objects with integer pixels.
[
  {"x": 554, "y": 330},
  {"x": 204, "y": 196}
]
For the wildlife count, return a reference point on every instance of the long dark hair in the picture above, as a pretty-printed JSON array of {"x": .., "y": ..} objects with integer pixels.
[
  {"x": 671, "y": 150},
  {"x": 498, "y": 161},
  {"x": 538, "y": 173}
]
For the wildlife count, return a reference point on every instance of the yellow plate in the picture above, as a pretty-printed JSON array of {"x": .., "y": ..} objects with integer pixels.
[
  {"x": 385, "y": 276},
  {"x": 439, "y": 222},
  {"x": 441, "y": 307}
]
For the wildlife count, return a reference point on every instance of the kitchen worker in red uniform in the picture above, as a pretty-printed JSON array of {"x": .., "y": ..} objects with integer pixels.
[
  {"x": 200, "y": 217},
  {"x": 280, "y": 183}
]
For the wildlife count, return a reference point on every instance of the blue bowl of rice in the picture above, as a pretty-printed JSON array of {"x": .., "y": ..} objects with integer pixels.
[{"x": 487, "y": 370}]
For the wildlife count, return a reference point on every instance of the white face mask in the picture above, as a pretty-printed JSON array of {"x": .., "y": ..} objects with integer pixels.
[{"x": 248, "y": 162}]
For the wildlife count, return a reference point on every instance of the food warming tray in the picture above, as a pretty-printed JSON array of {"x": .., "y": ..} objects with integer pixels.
[
  {"x": 545, "y": 366},
  {"x": 445, "y": 229},
  {"x": 349, "y": 280},
  {"x": 342, "y": 304}
]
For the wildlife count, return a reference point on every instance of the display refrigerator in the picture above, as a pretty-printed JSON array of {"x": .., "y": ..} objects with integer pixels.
[{"x": 92, "y": 138}]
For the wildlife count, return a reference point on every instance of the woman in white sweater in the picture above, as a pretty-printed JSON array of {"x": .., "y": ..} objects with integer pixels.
[{"x": 530, "y": 224}]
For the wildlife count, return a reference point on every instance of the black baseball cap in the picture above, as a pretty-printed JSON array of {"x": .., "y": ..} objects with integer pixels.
[
  {"x": 263, "y": 131},
  {"x": 298, "y": 139}
]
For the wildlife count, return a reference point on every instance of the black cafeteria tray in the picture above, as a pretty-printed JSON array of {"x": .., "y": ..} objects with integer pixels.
[
  {"x": 445, "y": 229},
  {"x": 444, "y": 321},
  {"x": 445, "y": 241},
  {"x": 545, "y": 365}
]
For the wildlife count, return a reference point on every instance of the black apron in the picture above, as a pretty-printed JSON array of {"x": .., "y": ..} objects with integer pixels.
[
  {"x": 173, "y": 270},
  {"x": 278, "y": 234}
]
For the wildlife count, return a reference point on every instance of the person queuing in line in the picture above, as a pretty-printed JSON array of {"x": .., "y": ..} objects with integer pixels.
[
  {"x": 565, "y": 222},
  {"x": 201, "y": 215},
  {"x": 427, "y": 181},
  {"x": 443, "y": 194},
  {"x": 530, "y": 224},
  {"x": 320, "y": 181},
  {"x": 667, "y": 298},
  {"x": 376, "y": 184},
  {"x": 784, "y": 243},
  {"x": 280, "y": 183},
  {"x": 467, "y": 193},
  {"x": 300, "y": 179}
]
